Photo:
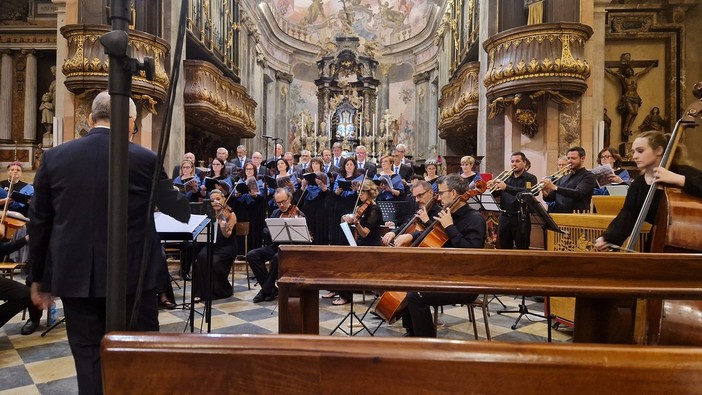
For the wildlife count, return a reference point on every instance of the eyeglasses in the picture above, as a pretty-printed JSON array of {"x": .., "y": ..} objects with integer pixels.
[
  {"x": 283, "y": 203},
  {"x": 441, "y": 193},
  {"x": 421, "y": 194}
]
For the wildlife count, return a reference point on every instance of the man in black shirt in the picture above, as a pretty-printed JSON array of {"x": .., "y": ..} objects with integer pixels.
[
  {"x": 465, "y": 228},
  {"x": 574, "y": 191},
  {"x": 514, "y": 229}
]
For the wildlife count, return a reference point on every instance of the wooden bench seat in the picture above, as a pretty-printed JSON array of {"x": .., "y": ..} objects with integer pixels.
[
  {"x": 598, "y": 281},
  {"x": 301, "y": 364}
]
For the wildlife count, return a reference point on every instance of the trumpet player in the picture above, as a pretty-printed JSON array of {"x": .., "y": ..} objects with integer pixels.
[
  {"x": 514, "y": 226},
  {"x": 572, "y": 192}
]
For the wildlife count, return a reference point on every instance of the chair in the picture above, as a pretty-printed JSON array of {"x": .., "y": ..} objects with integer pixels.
[
  {"x": 242, "y": 229},
  {"x": 482, "y": 302}
]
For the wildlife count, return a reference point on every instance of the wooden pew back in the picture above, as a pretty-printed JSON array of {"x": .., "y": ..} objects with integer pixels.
[{"x": 297, "y": 364}]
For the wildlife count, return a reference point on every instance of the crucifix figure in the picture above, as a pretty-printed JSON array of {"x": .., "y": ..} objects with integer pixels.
[{"x": 630, "y": 101}]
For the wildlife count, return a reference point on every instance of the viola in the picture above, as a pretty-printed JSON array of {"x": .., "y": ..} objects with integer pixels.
[{"x": 293, "y": 212}]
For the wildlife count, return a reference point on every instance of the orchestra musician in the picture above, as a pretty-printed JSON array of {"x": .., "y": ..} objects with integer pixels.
[
  {"x": 367, "y": 219},
  {"x": 422, "y": 195},
  {"x": 648, "y": 149},
  {"x": 258, "y": 257},
  {"x": 466, "y": 228},
  {"x": 572, "y": 192},
  {"x": 14, "y": 173},
  {"x": 514, "y": 227},
  {"x": 223, "y": 253}
]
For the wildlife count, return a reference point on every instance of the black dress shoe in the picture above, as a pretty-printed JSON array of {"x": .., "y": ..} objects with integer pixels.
[
  {"x": 272, "y": 296},
  {"x": 167, "y": 304},
  {"x": 260, "y": 297},
  {"x": 29, "y": 327},
  {"x": 408, "y": 334}
]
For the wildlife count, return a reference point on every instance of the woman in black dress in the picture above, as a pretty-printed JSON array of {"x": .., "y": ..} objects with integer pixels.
[{"x": 223, "y": 253}]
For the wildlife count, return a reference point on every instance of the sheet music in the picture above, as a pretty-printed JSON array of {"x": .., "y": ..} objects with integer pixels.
[
  {"x": 170, "y": 228},
  {"x": 484, "y": 202},
  {"x": 347, "y": 232}
]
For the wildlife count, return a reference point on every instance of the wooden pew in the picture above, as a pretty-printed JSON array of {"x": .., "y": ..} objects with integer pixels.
[
  {"x": 152, "y": 363},
  {"x": 601, "y": 282}
]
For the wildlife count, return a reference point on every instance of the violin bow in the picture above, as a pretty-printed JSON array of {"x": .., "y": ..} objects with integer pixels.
[{"x": 359, "y": 190}]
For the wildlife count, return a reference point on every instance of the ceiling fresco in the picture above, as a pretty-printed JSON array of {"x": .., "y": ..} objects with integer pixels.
[{"x": 382, "y": 21}]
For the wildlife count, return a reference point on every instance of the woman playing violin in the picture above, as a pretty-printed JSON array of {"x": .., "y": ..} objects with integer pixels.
[
  {"x": 367, "y": 219},
  {"x": 648, "y": 149},
  {"x": 223, "y": 252}
]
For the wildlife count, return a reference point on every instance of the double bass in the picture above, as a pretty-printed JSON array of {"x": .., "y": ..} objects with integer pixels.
[
  {"x": 392, "y": 303},
  {"x": 672, "y": 322}
]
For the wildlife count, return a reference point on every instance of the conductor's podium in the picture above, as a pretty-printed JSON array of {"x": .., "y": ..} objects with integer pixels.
[{"x": 582, "y": 231}]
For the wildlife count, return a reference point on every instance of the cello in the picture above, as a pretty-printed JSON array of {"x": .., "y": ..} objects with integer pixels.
[
  {"x": 672, "y": 322},
  {"x": 392, "y": 303}
]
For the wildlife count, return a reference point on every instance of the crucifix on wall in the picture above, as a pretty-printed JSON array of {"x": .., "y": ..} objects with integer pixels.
[{"x": 628, "y": 78}]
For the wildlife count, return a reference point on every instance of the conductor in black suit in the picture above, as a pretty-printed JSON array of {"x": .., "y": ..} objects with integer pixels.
[{"x": 68, "y": 236}]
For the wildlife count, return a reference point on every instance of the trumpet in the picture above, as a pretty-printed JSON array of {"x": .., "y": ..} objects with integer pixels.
[
  {"x": 554, "y": 177},
  {"x": 504, "y": 176}
]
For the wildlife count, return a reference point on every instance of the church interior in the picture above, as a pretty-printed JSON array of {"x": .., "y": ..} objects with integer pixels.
[{"x": 445, "y": 79}]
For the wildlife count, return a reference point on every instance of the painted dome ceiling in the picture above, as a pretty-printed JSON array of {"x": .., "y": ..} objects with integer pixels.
[{"x": 385, "y": 22}]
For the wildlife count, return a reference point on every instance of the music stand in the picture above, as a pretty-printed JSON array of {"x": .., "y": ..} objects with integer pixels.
[
  {"x": 168, "y": 228},
  {"x": 484, "y": 202},
  {"x": 289, "y": 230},
  {"x": 530, "y": 206}
]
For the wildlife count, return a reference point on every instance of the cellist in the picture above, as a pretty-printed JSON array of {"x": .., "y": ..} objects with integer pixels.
[
  {"x": 465, "y": 227},
  {"x": 648, "y": 149},
  {"x": 422, "y": 194}
]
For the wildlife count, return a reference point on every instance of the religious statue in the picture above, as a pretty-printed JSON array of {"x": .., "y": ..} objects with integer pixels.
[
  {"x": 47, "y": 112},
  {"x": 630, "y": 101},
  {"x": 345, "y": 129},
  {"x": 37, "y": 156},
  {"x": 653, "y": 121},
  {"x": 607, "y": 129}
]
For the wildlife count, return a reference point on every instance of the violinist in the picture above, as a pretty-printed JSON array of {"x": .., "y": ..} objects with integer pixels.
[
  {"x": 465, "y": 227},
  {"x": 258, "y": 257},
  {"x": 514, "y": 229},
  {"x": 367, "y": 219},
  {"x": 422, "y": 194},
  {"x": 648, "y": 149},
  {"x": 223, "y": 252}
]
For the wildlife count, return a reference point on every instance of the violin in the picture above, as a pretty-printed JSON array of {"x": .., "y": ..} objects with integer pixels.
[
  {"x": 435, "y": 234},
  {"x": 293, "y": 212}
]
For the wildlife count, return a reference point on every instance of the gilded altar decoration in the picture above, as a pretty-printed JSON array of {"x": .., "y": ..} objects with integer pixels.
[{"x": 86, "y": 66}]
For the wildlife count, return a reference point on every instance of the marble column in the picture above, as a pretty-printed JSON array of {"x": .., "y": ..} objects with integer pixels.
[
  {"x": 6, "y": 96},
  {"x": 30, "y": 97},
  {"x": 491, "y": 133},
  {"x": 422, "y": 111},
  {"x": 282, "y": 107}
]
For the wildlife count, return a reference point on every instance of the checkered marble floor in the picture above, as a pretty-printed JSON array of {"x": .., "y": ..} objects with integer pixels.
[{"x": 43, "y": 365}]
